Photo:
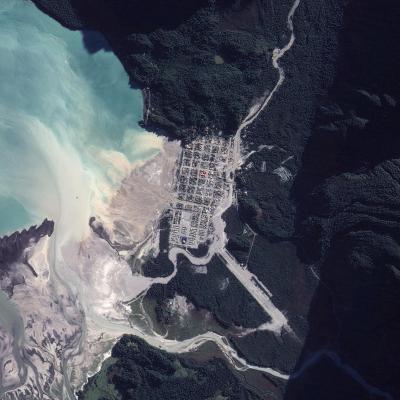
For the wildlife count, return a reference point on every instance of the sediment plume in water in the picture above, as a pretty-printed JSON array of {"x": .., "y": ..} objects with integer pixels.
[
  {"x": 69, "y": 139},
  {"x": 68, "y": 120}
]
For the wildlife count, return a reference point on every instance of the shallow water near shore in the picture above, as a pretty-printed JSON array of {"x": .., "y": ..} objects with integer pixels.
[
  {"x": 11, "y": 337},
  {"x": 69, "y": 135},
  {"x": 68, "y": 121}
]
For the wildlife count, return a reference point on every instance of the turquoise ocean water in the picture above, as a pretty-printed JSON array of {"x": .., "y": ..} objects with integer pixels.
[{"x": 66, "y": 118}]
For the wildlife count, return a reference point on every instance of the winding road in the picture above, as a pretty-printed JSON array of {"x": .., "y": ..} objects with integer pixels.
[{"x": 252, "y": 284}]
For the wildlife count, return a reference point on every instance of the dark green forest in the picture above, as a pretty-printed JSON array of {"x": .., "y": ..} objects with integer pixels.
[{"x": 138, "y": 371}]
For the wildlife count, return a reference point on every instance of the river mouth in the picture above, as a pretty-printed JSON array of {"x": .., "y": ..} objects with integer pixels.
[
  {"x": 69, "y": 139},
  {"x": 73, "y": 151},
  {"x": 68, "y": 121}
]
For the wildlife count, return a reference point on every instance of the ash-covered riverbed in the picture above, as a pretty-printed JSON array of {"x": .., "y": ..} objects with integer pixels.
[{"x": 71, "y": 149}]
